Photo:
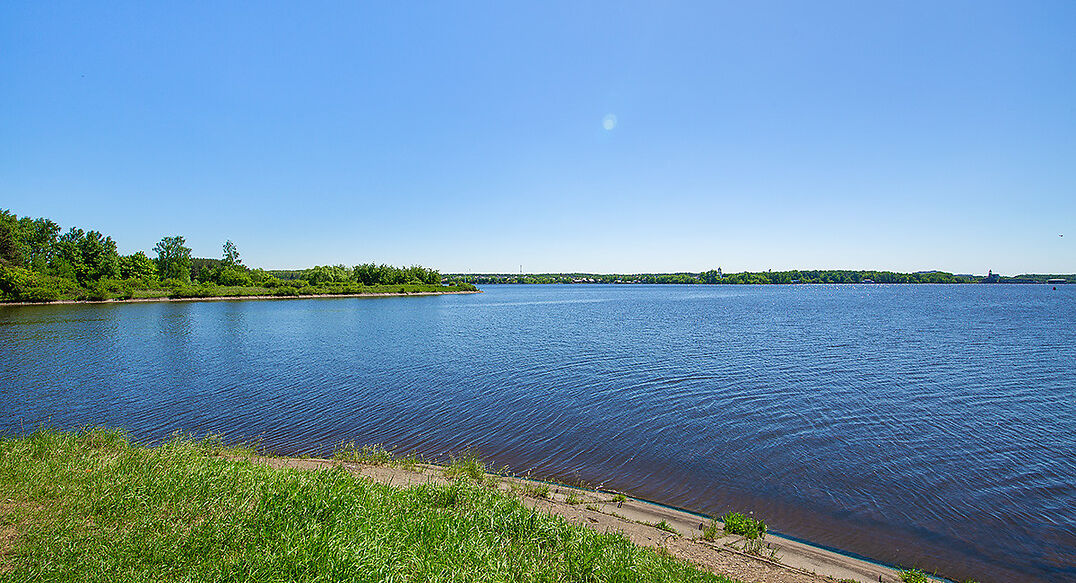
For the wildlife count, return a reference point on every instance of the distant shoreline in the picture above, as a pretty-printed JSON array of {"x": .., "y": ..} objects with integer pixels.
[{"x": 234, "y": 298}]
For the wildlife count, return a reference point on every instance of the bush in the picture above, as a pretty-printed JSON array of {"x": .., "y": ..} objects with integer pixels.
[
  {"x": 307, "y": 290},
  {"x": 285, "y": 291},
  {"x": 97, "y": 292},
  {"x": 195, "y": 291},
  {"x": 40, "y": 295},
  {"x": 233, "y": 277}
]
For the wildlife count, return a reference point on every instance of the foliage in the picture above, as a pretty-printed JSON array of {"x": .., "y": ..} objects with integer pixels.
[
  {"x": 466, "y": 465},
  {"x": 661, "y": 525},
  {"x": 534, "y": 489},
  {"x": 42, "y": 265},
  {"x": 912, "y": 576},
  {"x": 741, "y": 524},
  {"x": 173, "y": 258},
  {"x": 92, "y": 506},
  {"x": 230, "y": 256},
  {"x": 715, "y": 276},
  {"x": 138, "y": 266}
]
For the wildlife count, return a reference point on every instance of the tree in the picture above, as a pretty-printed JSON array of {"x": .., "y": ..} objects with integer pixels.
[
  {"x": 10, "y": 251},
  {"x": 231, "y": 255},
  {"x": 38, "y": 241},
  {"x": 173, "y": 258},
  {"x": 99, "y": 257},
  {"x": 138, "y": 266}
]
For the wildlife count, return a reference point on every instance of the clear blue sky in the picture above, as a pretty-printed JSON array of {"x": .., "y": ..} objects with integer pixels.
[{"x": 479, "y": 136}]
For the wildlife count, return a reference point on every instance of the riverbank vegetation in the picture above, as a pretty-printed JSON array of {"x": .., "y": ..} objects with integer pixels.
[
  {"x": 92, "y": 506},
  {"x": 38, "y": 263},
  {"x": 715, "y": 276}
]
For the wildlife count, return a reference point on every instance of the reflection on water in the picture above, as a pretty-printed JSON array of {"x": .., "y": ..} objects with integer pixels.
[{"x": 921, "y": 425}]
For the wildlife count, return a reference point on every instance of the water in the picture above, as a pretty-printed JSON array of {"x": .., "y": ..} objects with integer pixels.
[{"x": 920, "y": 425}]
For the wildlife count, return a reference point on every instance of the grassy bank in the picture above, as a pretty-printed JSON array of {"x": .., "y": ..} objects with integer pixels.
[{"x": 91, "y": 506}]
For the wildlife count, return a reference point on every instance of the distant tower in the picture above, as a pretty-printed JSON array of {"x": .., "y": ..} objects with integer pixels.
[{"x": 719, "y": 276}]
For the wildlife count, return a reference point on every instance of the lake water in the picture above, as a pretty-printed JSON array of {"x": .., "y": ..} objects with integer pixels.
[{"x": 932, "y": 426}]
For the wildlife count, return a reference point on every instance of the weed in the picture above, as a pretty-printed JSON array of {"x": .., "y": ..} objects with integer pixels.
[
  {"x": 374, "y": 455},
  {"x": 660, "y": 525},
  {"x": 757, "y": 546},
  {"x": 466, "y": 465},
  {"x": 741, "y": 524},
  {"x": 535, "y": 489},
  {"x": 573, "y": 499},
  {"x": 712, "y": 530},
  {"x": 912, "y": 576}
]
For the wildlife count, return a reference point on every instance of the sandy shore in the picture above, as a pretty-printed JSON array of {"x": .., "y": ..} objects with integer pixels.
[
  {"x": 791, "y": 561},
  {"x": 234, "y": 298}
]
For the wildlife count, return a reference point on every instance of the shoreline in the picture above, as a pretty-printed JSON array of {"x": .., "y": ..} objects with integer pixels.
[
  {"x": 646, "y": 523},
  {"x": 236, "y": 298}
]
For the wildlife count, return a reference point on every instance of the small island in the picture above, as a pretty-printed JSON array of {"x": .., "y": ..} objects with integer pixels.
[{"x": 38, "y": 264}]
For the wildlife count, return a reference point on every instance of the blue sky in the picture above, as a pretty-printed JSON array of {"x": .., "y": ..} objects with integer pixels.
[{"x": 479, "y": 137}]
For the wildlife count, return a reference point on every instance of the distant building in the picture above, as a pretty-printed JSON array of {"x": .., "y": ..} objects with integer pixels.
[
  {"x": 991, "y": 277},
  {"x": 1056, "y": 281}
]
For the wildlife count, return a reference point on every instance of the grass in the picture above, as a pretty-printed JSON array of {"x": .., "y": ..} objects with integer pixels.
[
  {"x": 466, "y": 465},
  {"x": 743, "y": 525},
  {"x": 660, "y": 525},
  {"x": 91, "y": 506},
  {"x": 912, "y": 576},
  {"x": 377, "y": 455},
  {"x": 573, "y": 499},
  {"x": 713, "y": 530},
  {"x": 534, "y": 489}
]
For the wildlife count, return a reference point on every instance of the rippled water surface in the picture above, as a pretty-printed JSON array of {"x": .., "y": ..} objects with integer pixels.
[{"x": 919, "y": 425}]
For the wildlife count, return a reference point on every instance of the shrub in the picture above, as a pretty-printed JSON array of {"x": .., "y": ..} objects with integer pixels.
[
  {"x": 195, "y": 291},
  {"x": 40, "y": 295},
  {"x": 307, "y": 290},
  {"x": 98, "y": 292},
  {"x": 285, "y": 291}
]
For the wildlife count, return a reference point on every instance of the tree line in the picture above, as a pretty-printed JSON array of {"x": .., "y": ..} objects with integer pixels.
[
  {"x": 714, "y": 276},
  {"x": 39, "y": 263}
]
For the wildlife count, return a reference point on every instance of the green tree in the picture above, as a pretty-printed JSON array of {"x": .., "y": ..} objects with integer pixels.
[
  {"x": 10, "y": 233},
  {"x": 99, "y": 257},
  {"x": 38, "y": 241},
  {"x": 173, "y": 258},
  {"x": 138, "y": 266},
  {"x": 231, "y": 255}
]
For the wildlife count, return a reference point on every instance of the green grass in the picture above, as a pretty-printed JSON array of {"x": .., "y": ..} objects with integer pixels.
[
  {"x": 573, "y": 499},
  {"x": 741, "y": 524},
  {"x": 912, "y": 576},
  {"x": 713, "y": 530},
  {"x": 534, "y": 489},
  {"x": 660, "y": 525},
  {"x": 466, "y": 465},
  {"x": 91, "y": 506}
]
